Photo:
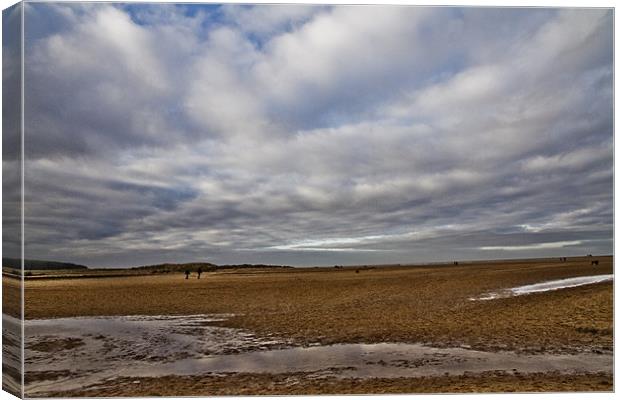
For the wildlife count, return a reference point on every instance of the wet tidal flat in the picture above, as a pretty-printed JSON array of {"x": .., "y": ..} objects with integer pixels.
[{"x": 405, "y": 329}]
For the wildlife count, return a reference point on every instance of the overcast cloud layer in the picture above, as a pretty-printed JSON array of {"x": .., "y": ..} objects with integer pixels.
[{"x": 316, "y": 135}]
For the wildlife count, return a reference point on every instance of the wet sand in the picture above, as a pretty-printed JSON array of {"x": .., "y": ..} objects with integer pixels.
[
  {"x": 546, "y": 286},
  {"x": 418, "y": 306},
  {"x": 72, "y": 353},
  {"x": 11, "y": 355}
]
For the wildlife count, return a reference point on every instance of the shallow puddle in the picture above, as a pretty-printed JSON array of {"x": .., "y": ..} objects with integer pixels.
[
  {"x": 70, "y": 353},
  {"x": 546, "y": 286}
]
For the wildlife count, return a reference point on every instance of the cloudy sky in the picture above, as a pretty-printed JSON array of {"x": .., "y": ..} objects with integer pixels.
[{"x": 313, "y": 135}]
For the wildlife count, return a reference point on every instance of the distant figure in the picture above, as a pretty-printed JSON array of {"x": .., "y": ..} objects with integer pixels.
[
  {"x": 357, "y": 271},
  {"x": 456, "y": 263},
  {"x": 187, "y": 274},
  {"x": 595, "y": 262},
  {"x": 199, "y": 272}
]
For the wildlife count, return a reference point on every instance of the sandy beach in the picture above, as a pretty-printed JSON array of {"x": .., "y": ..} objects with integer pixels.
[{"x": 436, "y": 307}]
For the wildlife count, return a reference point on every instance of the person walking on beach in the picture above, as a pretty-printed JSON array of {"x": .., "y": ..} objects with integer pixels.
[
  {"x": 187, "y": 274},
  {"x": 199, "y": 272}
]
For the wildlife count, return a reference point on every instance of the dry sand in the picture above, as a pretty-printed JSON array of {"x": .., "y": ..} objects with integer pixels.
[
  {"x": 301, "y": 384},
  {"x": 399, "y": 304}
]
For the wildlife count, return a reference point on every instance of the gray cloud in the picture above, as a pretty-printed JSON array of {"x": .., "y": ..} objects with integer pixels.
[
  {"x": 11, "y": 126},
  {"x": 316, "y": 135}
]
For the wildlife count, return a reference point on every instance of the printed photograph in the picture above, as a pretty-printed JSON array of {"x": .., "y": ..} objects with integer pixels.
[{"x": 289, "y": 199}]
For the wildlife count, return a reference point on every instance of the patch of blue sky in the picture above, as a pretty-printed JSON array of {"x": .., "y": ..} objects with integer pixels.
[{"x": 151, "y": 13}]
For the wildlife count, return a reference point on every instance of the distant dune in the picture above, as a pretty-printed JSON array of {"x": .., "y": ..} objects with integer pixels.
[
  {"x": 45, "y": 267},
  {"x": 39, "y": 264},
  {"x": 172, "y": 267}
]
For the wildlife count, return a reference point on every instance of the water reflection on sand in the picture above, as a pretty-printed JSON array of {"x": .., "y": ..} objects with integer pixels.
[
  {"x": 70, "y": 353},
  {"x": 546, "y": 286},
  {"x": 11, "y": 354}
]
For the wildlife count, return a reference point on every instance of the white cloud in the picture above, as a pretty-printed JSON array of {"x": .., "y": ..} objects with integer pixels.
[
  {"x": 268, "y": 19},
  {"x": 537, "y": 246}
]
